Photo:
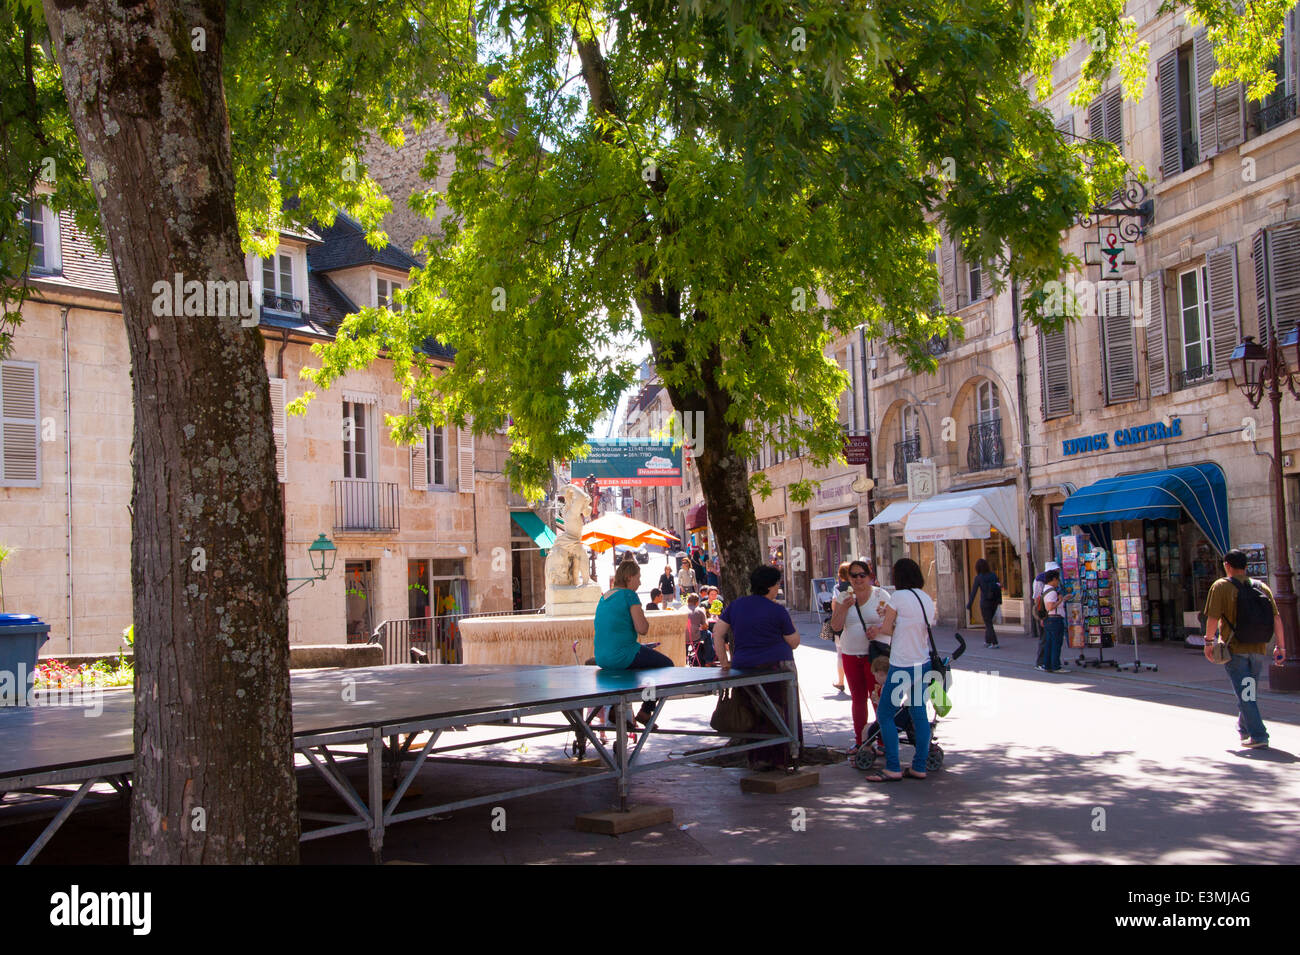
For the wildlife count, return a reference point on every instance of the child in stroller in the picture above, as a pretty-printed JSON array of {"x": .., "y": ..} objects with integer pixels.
[{"x": 871, "y": 747}]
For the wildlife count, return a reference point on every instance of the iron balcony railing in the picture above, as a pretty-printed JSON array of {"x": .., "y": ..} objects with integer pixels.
[
  {"x": 1193, "y": 376},
  {"x": 281, "y": 303},
  {"x": 904, "y": 453},
  {"x": 365, "y": 506},
  {"x": 938, "y": 345},
  {"x": 985, "y": 451},
  {"x": 429, "y": 639},
  {"x": 1276, "y": 113}
]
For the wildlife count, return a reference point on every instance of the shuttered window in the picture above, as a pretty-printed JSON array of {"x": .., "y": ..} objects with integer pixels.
[
  {"x": 1225, "y": 310},
  {"x": 1054, "y": 352},
  {"x": 279, "y": 428},
  {"x": 1171, "y": 126},
  {"x": 1065, "y": 126},
  {"x": 1105, "y": 121},
  {"x": 1119, "y": 349},
  {"x": 465, "y": 460},
  {"x": 1276, "y": 254},
  {"x": 1219, "y": 110},
  {"x": 1153, "y": 307},
  {"x": 20, "y": 433},
  {"x": 419, "y": 456},
  {"x": 947, "y": 258}
]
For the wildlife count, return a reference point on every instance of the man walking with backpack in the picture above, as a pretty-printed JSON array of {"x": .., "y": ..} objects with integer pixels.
[{"x": 1241, "y": 616}]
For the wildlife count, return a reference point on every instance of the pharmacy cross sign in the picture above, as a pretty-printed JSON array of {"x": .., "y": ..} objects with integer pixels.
[{"x": 1128, "y": 214}]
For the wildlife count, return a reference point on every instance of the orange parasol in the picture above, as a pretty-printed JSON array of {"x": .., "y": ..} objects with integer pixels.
[{"x": 610, "y": 529}]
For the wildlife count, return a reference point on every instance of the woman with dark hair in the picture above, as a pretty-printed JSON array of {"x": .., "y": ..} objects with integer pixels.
[
  {"x": 763, "y": 638},
  {"x": 859, "y": 614},
  {"x": 907, "y": 622},
  {"x": 990, "y": 591}
]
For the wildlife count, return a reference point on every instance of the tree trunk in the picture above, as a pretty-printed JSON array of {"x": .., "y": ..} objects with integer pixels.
[
  {"x": 214, "y": 778},
  {"x": 724, "y": 480}
]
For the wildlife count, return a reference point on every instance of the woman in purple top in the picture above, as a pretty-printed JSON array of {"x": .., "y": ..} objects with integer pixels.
[{"x": 762, "y": 638}]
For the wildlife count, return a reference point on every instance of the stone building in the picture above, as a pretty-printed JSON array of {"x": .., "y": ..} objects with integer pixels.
[{"x": 420, "y": 530}]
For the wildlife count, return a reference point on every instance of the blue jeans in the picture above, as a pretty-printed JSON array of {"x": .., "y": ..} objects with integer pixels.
[
  {"x": 647, "y": 659},
  {"x": 1245, "y": 671},
  {"x": 904, "y": 683},
  {"x": 1053, "y": 640}
]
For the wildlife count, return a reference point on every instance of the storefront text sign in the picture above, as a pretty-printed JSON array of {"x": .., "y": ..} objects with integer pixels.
[
  {"x": 922, "y": 478},
  {"x": 1123, "y": 437}
]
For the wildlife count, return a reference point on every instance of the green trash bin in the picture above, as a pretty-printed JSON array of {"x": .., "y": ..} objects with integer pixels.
[{"x": 21, "y": 638}]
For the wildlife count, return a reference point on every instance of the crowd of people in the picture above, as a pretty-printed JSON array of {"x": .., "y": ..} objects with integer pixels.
[{"x": 885, "y": 644}]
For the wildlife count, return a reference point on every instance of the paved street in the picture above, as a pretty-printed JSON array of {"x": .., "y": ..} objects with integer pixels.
[{"x": 1031, "y": 759}]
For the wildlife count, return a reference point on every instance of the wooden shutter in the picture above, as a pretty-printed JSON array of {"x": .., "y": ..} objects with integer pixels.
[
  {"x": 1054, "y": 352},
  {"x": 279, "y": 428},
  {"x": 1119, "y": 350},
  {"x": 1171, "y": 126},
  {"x": 1065, "y": 126},
  {"x": 1277, "y": 279},
  {"x": 419, "y": 456},
  {"x": 1153, "y": 288},
  {"x": 1220, "y": 112},
  {"x": 1225, "y": 312},
  {"x": 20, "y": 458},
  {"x": 1114, "y": 126},
  {"x": 465, "y": 460}
]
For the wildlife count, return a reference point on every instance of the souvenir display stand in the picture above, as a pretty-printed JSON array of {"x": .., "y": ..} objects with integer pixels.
[
  {"x": 1090, "y": 601},
  {"x": 1130, "y": 589}
]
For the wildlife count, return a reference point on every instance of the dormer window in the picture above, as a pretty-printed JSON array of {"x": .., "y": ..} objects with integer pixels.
[
  {"x": 43, "y": 224},
  {"x": 384, "y": 289},
  {"x": 277, "y": 284}
]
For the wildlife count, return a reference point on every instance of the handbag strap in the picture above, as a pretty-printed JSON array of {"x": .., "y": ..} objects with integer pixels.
[{"x": 928, "y": 631}]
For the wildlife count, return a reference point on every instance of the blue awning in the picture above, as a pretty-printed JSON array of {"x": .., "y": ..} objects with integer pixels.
[
  {"x": 1199, "y": 491},
  {"x": 534, "y": 527}
]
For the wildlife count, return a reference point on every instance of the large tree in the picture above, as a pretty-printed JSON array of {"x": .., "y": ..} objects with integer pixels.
[{"x": 193, "y": 122}]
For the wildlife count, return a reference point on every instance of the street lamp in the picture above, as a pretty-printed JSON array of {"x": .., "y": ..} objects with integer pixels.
[
  {"x": 1257, "y": 369},
  {"x": 321, "y": 553}
]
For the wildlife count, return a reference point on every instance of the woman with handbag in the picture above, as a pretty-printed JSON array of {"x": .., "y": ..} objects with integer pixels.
[
  {"x": 911, "y": 656},
  {"x": 763, "y": 638},
  {"x": 858, "y": 615}
]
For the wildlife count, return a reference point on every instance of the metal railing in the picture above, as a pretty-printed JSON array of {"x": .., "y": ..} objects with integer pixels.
[
  {"x": 281, "y": 303},
  {"x": 365, "y": 506},
  {"x": 985, "y": 451},
  {"x": 434, "y": 639},
  {"x": 1193, "y": 376},
  {"x": 1276, "y": 113},
  {"x": 904, "y": 453}
]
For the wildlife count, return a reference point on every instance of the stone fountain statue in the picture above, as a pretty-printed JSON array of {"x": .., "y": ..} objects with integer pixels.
[{"x": 570, "y": 591}]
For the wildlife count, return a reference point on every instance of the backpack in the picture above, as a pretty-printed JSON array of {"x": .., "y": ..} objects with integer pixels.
[
  {"x": 1254, "y": 614},
  {"x": 997, "y": 593},
  {"x": 1040, "y": 604}
]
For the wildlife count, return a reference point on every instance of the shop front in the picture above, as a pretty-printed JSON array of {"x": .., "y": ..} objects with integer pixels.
[
  {"x": 948, "y": 533},
  {"x": 1180, "y": 516},
  {"x": 890, "y": 545}
]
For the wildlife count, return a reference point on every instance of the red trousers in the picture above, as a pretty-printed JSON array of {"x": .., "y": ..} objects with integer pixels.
[{"x": 857, "y": 671}]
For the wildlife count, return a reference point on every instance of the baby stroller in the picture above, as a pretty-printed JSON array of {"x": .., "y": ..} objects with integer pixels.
[{"x": 866, "y": 755}]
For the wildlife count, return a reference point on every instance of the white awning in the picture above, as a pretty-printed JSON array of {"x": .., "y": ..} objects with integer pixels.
[
  {"x": 965, "y": 515},
  {"x": 894, "y": 513},
  {"x": 830, "y": 519}
]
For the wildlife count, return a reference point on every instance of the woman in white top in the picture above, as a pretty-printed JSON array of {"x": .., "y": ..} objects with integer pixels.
[
  {"x": 858, "y": 614},
  {"x": 908, "y": 620}
]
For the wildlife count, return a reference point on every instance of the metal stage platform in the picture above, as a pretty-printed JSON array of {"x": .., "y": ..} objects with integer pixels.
[{"x": 383, "y": 709}]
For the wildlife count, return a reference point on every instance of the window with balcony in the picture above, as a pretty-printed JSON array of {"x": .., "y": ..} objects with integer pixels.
[
  {"x": 985, "y": 451},
  {"x": 908, "y": 448},
  {"x": 1194, "y": 326},
  {"x": 278, "y": 293},
  {"x": 1280, "y": 105}
]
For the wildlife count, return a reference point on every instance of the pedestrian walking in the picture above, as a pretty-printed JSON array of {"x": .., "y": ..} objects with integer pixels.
[
  {"x": 686, "y": 578},
  {"x": 1246, "y": 610},
  {"x": 990, "y": 594},
  {"x": 667, "y": 586},
  {"x": 1035, "y": 624},
  {"x": 1054, "y": 625}
]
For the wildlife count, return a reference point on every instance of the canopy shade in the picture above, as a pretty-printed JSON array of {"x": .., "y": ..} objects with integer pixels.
[
  {"x": 828, "y": 519},
  {"x": 697, "y": 517},
  {"x": 1199, "y": 491},
  {"x": 894, "y": 513},
  {"x": 535, "y": 528},
  {"x": 965, "y": 515},
  {"x": 610, "y": 529}
]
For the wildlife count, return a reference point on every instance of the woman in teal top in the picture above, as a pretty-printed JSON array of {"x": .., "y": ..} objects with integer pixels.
[{"x": 619, "y": 619}]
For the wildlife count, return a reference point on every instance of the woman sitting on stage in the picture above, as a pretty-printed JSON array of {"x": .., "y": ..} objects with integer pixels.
[
  {"x": 619, "y": 619},
  {"x": 763, "y": 638}
]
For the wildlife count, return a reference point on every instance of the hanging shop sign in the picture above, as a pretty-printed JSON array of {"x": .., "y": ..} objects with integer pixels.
[
  {"x": 1123, "y": 438},
  {"x": 857, "y": 449}
]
